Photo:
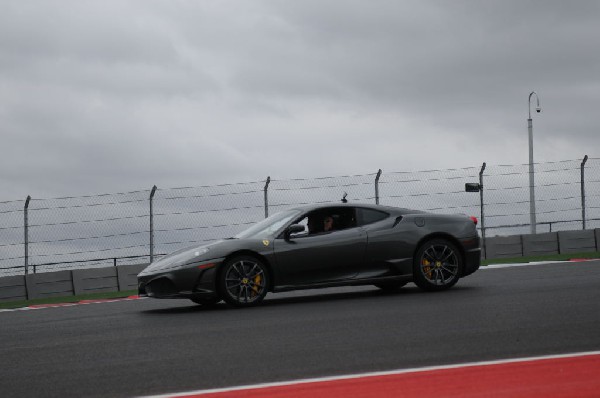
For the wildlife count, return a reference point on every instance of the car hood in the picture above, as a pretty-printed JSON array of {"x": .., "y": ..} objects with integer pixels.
[
  {"x": 181, "y": 257},
  {"x": 217, "y": 250}
]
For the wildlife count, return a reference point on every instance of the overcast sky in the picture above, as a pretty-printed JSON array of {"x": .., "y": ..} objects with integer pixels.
[{"x": 111, "y": 96}]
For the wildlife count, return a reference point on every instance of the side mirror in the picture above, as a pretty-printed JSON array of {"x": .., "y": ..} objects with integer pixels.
[{"x": 293, "y": 229}]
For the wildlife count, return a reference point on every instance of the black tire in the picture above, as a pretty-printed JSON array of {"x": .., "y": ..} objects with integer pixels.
[
  {"x": 244, "y": 281},
  {"x": 207, "y": 301},
  {"x": 437, "y": 265},
  {"x": 390, "y": 287}
]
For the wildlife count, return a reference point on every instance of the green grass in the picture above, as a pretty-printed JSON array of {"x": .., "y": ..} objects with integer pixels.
[
  {"x": 551, "y": 257},
  {"x": 67, "y": 299}
]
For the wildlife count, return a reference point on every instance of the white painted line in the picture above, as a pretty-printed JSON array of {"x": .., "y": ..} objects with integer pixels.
[
  {"x": 15, "y": 309},
  {"x": 496, "y": 266},
  {"x": 373, "y": 374}
]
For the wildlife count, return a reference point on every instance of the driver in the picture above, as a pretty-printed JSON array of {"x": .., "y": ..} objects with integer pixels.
[{"x": 327, "y": 223}]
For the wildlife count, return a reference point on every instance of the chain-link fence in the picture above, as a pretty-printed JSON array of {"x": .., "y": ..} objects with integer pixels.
[
  {"x": 41, "y": 235},
  {"x": 73, "y": 232},
  {"x": 564, "y": 191}
]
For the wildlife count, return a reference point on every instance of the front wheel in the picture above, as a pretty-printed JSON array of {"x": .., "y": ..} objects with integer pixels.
[
  {"x": 244, "y": 281},
  {"x": 437, "y": 265}
]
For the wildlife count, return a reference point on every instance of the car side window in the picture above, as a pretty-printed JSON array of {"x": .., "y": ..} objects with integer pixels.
[
  {"x": 344, "y": 218},
  {"x": 326, "y": 220},
  {"x": 369, "y": 216}
]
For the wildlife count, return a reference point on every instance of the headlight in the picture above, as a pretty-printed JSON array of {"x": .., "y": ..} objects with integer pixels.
[{"x": 201, "y": 251}]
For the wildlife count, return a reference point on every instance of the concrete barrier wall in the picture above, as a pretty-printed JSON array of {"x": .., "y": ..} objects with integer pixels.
[
  {"x": 70, "y": 282},
  {"x": 12, "y": 288},
  {"x": 577, "y": 241},
  {"x": 563, "y": 242},
  {"x": 127, "y": 276},
  {"x": 49, "y": 284},
  {"x": 540, "y": 244},
  {"x": 504, "y": 246},
  {"x": 95, "y": 280}
]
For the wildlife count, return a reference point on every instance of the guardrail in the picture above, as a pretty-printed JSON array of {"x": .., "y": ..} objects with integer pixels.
[{"x": 96, "y": 261}]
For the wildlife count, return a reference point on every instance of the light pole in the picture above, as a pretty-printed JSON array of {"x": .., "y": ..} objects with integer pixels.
[{"x": 532, "y": 220}]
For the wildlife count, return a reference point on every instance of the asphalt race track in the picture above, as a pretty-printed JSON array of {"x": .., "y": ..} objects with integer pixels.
[{"x": 143, "y": 347}]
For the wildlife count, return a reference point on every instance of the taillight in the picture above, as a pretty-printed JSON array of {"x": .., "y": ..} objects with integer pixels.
[{"x": 474, "y": 219}]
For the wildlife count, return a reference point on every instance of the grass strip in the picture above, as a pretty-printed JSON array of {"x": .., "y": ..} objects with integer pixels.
[{"x": 67, "y": 299}]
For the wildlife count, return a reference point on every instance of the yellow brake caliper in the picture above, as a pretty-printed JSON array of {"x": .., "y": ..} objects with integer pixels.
[
  {"x": 257, "y": 280},
  {"x": 427, "y": 267}
]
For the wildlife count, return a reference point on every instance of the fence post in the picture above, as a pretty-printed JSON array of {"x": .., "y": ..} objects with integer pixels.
[
  {"x": 585, "y": 158},
  {"x": 151, "y": 224},
  {"x": 266, "y": 190},
  {"x": 482, "y": 213},
  {"x": 26, "y": 232},
  {"x": 377, "y": 187}
]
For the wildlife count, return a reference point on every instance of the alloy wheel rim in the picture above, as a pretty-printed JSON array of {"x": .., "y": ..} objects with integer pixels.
[
  {"x": 439, "y": 264},
  {"x": 245, "y": 281}
]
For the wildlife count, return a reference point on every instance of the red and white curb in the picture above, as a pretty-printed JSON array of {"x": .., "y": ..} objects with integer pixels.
[
  {"x": 552, "y": 376},
  {"x": 73, "y": 304}
]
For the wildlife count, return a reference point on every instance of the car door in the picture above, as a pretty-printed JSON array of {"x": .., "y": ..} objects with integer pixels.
[
  {"x": 321, "y": 257},
  {"x": 390, "y": 244}
]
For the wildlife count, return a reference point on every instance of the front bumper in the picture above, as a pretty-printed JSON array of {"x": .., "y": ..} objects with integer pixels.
[{"x": 181, "y": 283}]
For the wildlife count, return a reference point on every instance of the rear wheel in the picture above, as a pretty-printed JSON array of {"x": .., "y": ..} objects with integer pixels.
[
  {"x": 437, "y": 265},
  {"x": 244, "y": 281}
]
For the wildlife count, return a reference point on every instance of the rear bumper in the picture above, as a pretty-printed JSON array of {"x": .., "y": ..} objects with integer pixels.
[{"x": 472, "y": 250}]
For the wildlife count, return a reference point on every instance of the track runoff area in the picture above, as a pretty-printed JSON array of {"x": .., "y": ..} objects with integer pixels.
[
  {"x": 552, "y": 376},
  {"x": 558, "y": 376}
]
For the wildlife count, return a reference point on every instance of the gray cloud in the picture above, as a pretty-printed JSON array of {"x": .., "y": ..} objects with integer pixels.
[{"x": 111, "y": 96}]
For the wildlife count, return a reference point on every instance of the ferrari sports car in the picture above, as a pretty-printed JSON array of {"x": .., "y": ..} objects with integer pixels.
[{"x": 321, "y": 246}]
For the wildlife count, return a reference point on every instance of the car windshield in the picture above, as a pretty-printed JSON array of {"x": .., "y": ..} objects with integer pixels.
[{"x": 268, "y": 226}]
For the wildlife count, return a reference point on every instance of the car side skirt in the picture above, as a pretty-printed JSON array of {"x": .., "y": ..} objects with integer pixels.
[{"x": 345, "y": 282}]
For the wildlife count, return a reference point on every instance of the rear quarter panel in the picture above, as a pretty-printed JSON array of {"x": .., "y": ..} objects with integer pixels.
[{"x": 391, "y": 248}]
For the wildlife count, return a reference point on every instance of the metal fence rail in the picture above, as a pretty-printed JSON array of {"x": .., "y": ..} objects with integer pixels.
[{"x": 39, "y": 235}]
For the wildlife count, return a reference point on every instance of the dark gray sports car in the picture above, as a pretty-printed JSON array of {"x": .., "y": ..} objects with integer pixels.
[{"x": 321, "y": 246}]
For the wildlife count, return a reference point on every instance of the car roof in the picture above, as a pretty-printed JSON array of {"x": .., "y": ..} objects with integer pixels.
[{"x": 388, "y": 209}]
